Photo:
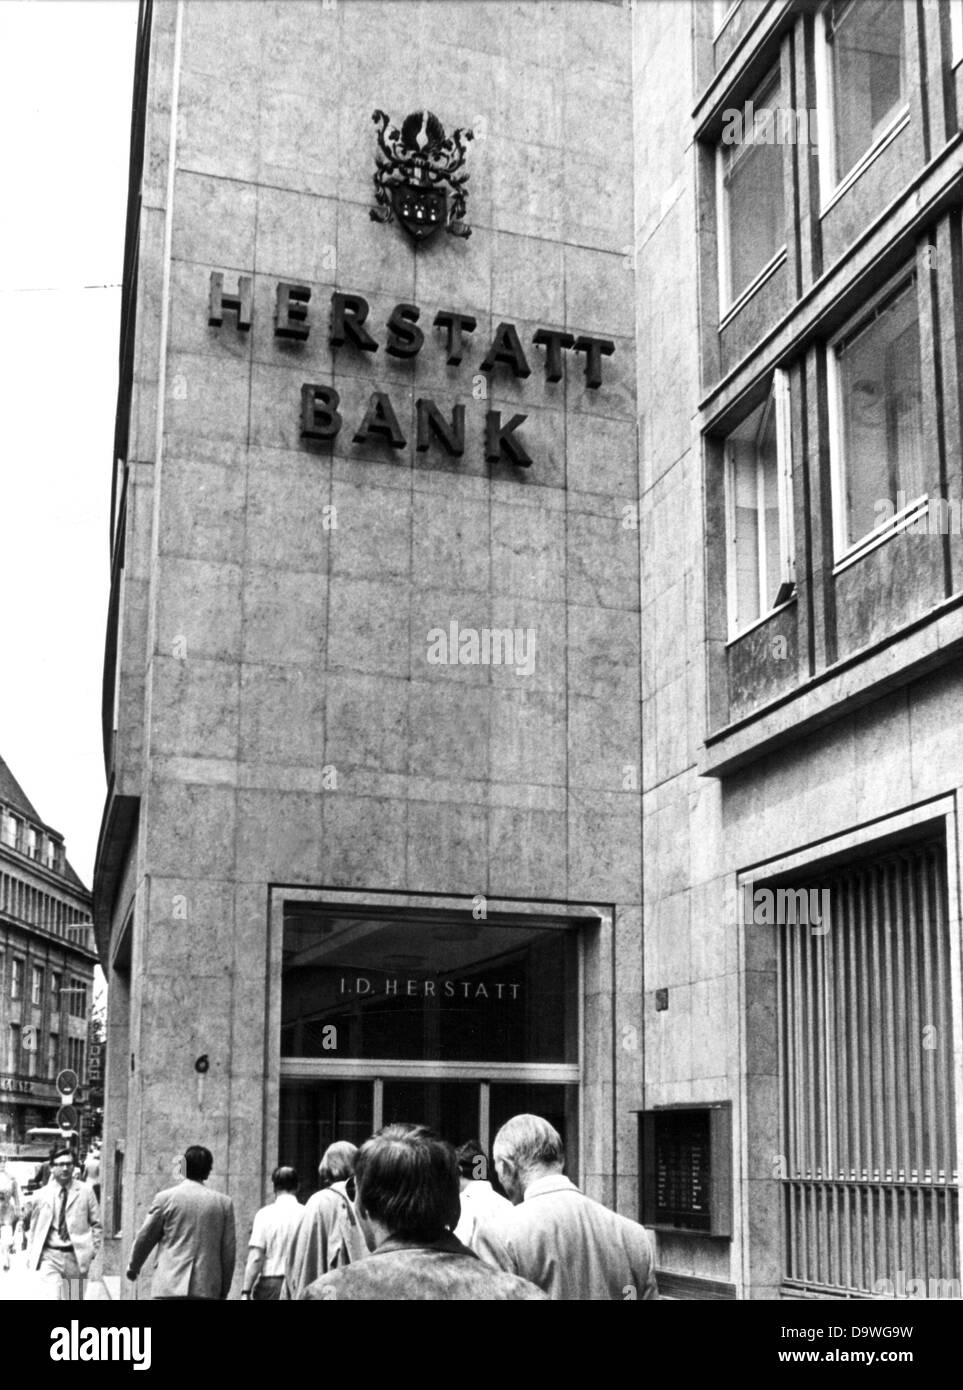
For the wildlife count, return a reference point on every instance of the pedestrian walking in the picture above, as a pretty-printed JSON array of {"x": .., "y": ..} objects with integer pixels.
[
  {"x": 272, "y": 1238},
  {"x": 193, "y": 1230},
  {"x": 330, "y": 1234},
  {"x": 10, "y": 1203},
  {"x": 567, "y": 1244},
  {"x": 408, "y": 1193},
  {"x": 64, "y": 1230},
  {"x": 92, "y": 1168},
  {"x": 480, "y": 1202}
]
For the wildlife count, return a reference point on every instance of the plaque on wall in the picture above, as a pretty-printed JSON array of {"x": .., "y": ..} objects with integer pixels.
[{"x": 686, "y": 1168}]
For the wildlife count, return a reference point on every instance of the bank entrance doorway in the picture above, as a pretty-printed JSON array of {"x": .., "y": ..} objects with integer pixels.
[{"x": 430, "y": 1018}]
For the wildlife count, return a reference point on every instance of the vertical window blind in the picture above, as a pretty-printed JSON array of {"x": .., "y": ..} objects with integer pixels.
[{"x": 869, "y": 1176}]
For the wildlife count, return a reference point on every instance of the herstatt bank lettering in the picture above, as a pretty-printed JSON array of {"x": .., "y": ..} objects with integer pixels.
[{"x": 444, "y": 429}]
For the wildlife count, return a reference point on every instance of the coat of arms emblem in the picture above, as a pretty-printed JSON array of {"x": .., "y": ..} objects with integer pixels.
[{"x": 419, "y": 168}]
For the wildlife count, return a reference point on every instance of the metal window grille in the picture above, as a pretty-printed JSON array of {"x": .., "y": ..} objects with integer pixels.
[{"x": 870, "y": 1184}]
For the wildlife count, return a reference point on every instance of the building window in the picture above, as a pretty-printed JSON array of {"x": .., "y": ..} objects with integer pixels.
[
  {"x": 876, "y": 420},
  {"x": 75, "y": 1056},
  {"x": 36, "y": 986},
  {"x": 956, "y": 30},
  {"x": 55, "y": 992},
  {"x": 16, "y": 978},
  {"x": 752, "y": 219},
  {"x": 473, "y": 1022},
  {"x": 77, "y": 998},
  {"x": 862, "y": 77},
  {"x": 30, "y": 842},
  {"x": 8, "y": 829},
  {"x": 865, "y": 1004},
  {"x": 13, "y": 1048},
  {"x": 722, "y": 12},
  {"x": 49, "y": 852},
  {"x": 758, "y": 459},
  {"x": 53, "y": 1054}
]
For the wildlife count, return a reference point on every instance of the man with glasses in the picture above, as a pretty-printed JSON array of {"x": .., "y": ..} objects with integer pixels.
[{"x": 65, "y": 1230}]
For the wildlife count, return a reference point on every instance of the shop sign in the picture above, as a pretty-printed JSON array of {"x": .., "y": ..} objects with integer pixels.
[
  {"x": 399, "y": 986},
  {"x": 11, "y": 1083}
]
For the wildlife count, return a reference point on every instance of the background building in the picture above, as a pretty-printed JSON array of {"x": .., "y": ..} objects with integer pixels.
[{"x": 47, "y": 958}]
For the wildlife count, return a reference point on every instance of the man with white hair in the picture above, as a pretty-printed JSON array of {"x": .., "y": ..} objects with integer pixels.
[
  {"x": 330, "y": 1233},
  {"x": 554, "y": 1235}
]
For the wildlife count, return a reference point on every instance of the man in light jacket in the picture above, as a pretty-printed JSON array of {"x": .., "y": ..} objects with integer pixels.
[
  {"x": 65, "y": 1230},
  {"x": 554, "y": 1235},
  {"x": 193, "y": 1228}
]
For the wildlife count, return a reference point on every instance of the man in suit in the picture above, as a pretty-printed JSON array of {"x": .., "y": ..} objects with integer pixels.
[
  {"x": 194, "y": 1229},
  {"x": 65, "y": 1230},
  {"x": 554, "y": 1235},
  {"x": 407, "y": 1180}
]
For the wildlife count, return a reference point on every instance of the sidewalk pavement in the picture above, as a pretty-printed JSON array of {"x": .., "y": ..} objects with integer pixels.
[{"x": 18, "y": 1284}]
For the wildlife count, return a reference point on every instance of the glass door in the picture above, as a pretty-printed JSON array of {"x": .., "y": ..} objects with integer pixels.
[
  {"x": 450, "y": 1107},
  {"x": 316, "y": 1113}
]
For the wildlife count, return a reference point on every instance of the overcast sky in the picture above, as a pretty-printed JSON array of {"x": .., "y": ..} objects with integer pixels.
[{"x": 66, "y": 73}]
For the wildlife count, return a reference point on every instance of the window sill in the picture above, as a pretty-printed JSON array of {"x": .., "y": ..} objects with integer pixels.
[
  {"x": 925, "y": 644},
  {"x": 767, "y": 272},
  {"x": 751, "y": 627},
  {"x": 918, "y": 507},
  {"x": 899, "y": 122}
]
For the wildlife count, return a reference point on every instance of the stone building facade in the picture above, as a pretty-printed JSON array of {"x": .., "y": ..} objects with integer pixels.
[
  {"x": 372, "y": 847},
  {"x": 47, "y": 958},
  {"x": 799, "y": 320},
  {"x": 620, "y": 784}
]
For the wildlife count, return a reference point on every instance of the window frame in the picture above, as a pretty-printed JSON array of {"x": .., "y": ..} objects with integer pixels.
[
  {"x": 832, "y": 188},
  {"x": 16, "y": 977},
  {"x": 722, "y": 12},
  {"x": 36, "y": 986},
  {"x": 729, "y": 304},
  {"x": 74, "y": 987},
  {"x": 845, "y": 552},
  {"x": 779, "y": 396}
]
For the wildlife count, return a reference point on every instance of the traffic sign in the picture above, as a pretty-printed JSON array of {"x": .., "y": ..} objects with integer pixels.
[
  {"x": 67, "y": 1082},
  {"x": 67, "y": 1117}
]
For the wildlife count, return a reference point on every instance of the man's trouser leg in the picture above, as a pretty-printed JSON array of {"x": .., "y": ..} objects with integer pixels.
[{"x": 60, "y": 1275}]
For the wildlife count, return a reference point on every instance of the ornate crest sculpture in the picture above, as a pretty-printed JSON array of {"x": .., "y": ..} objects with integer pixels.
[{"x": 418, "y": 167}]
